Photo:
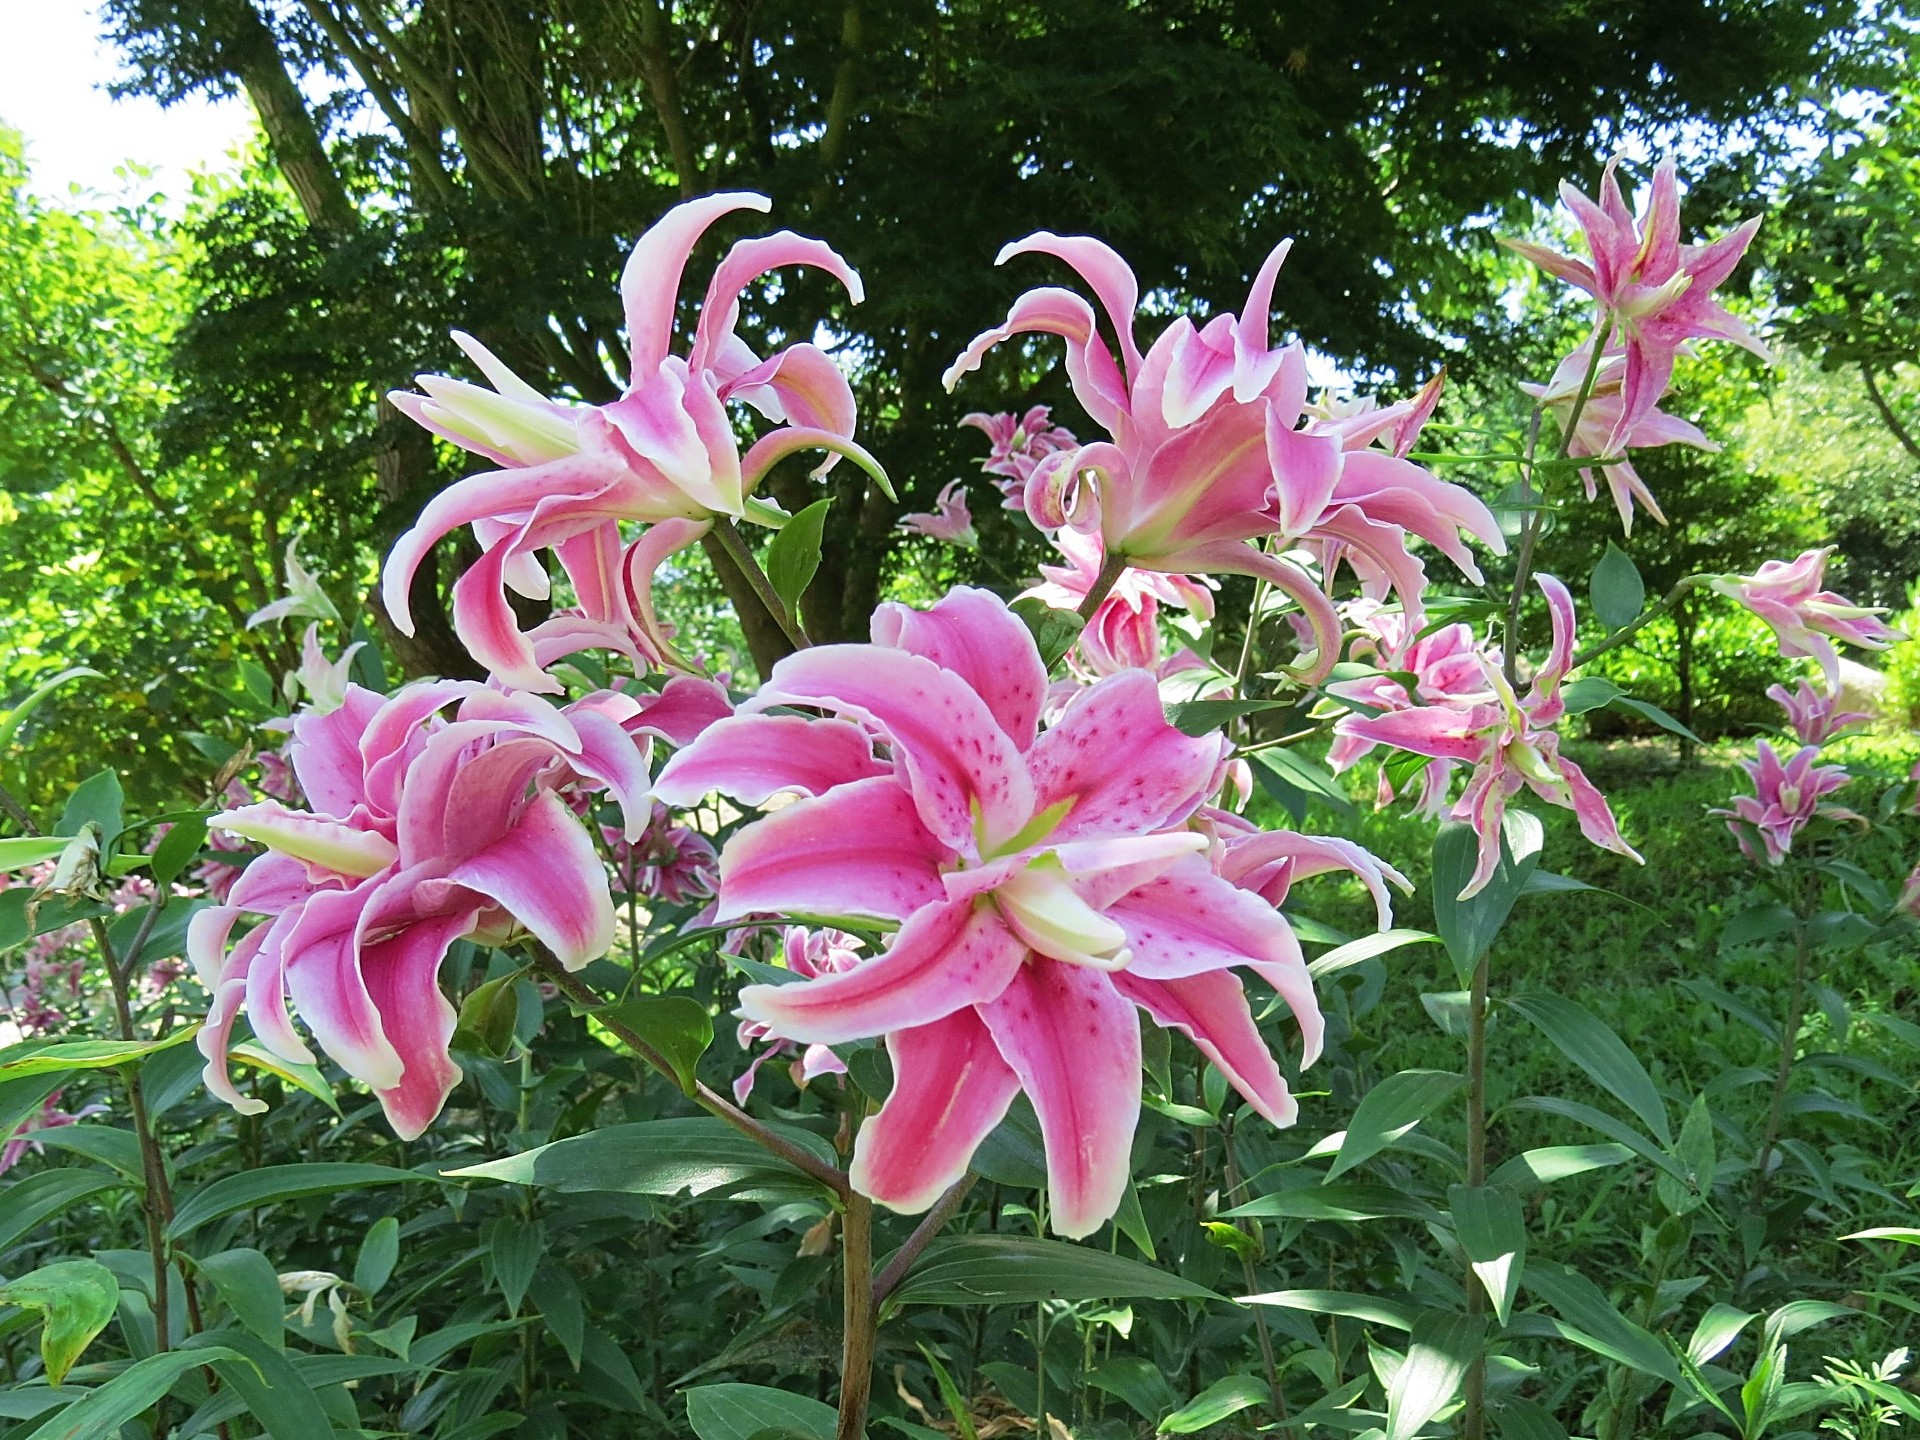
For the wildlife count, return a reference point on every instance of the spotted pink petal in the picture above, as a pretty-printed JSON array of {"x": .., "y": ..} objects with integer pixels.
[
  {"x": 752, "y": 758},
  {"x": 1123, "y": 767},
  {"x": 546, "y": 874},
  {"x": 682, "y": 711},
  {"x": 225, "y": 977},
  {"x": 859, "y": 849},
  {"x": 326, "y": 755},
  {"x": 972, "y": 633},
  {"x": 950, "y": 1089},
  {"x": 1211, "y": 1008},
  {"x": 1590, "y": 808},
  {"x": 1190, "y": 921},
  {"x": 1074, "y": 1041},
  {"x": 402, "y": 974},
  {"x": 776, "y": 445},
  {"x": 489, "y": 628},
  {"x": 1444, "y": 732},
  {"x": 947, "y": 956},
  {"x": 650, "y": 284},
  {"x": 802, "y": 386},
  {"x": 957, "y": 761}
]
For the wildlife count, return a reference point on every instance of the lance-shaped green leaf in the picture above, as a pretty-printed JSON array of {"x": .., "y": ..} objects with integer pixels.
[
  {"x": 1010, "y": 1269},
  {"x": 1696, "y": 1156},
  {"x": 1585, "y": 1039},
  {"x": 1442, "y": 1348},
  {"x": 745, "y": 1412},
  {"x": 18, "y": 1062},
  {"x": 1489, "y": 1224},
  {"x": 1593, "y": 1321},
  {"x": 1616, "y": 588},
  {"x": 675, "y": 1025},
  {"x": 253, "y": 1188},
  {"x": 793, "y": 555},
  {"x": 76, "y": 1299},
  {"x": 696, "y": 1155},
  {"x": 1469, "y": 927},
  {"x": 12, "y": 720},
  {"x": 100, "y": 1413},
  {"x": 1389, "y": 1110},
  {"x": 1228, "y": 1395}
]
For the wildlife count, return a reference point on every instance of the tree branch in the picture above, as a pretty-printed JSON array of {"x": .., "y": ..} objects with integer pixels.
[
  {"x": 1886, "y": 412},
  {"x": 663, "y": 87}
]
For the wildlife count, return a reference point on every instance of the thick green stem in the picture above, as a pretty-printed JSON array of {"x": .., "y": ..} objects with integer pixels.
[
  {"x": 1474, "y": 1421},
  {"x": 1111, "y": 569},
  {"x": 1530, "y": 523},
  {"x": 735, "y": 544},
  {"x": 1783, "y": 1073},
  {"x": 857, "y": 1322},
  {"x": 895, "y": 1270},
  {"x": 1642, "y": 620},
  {"x": 703, "y": 1095}
]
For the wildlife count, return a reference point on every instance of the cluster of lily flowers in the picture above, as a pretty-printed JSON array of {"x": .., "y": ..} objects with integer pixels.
[{"x": 1044, "y": 858}]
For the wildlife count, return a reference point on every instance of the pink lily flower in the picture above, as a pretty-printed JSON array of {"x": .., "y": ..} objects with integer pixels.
[
  {"x": 1448, "y": 666},
  {"x": 1209, "y": 458},
  {"x": 665, "y": 455},
  {"x": 667, "y": 862},
  {"x": 1657, "y": 292},
  {"x": 951, "y": 521},
  {"x": 1787, "y": 796},
  {"x": 1787, "y": 595},
  {"x": 1268, "y": 862},
  {"x": 1019, "y": 443},
  {"x": 1124, "y": 633},
  {"x": 323, "y": 681},
  {"x": 1510, "y": 742},
  {"x": 1814, "y": 715},
  {"x": 1043, "y": 882},
  {"x": 809, "y": 953},
  {"x": 1602, "y": 431},
  {"x": 51, "y": 1117},
  {"x": 423, "y": 830},
  {"x": 305, "y": 596}
]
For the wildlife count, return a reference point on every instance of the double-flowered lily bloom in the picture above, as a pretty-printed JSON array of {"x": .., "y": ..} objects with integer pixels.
[
  {"x": 1448, "y": 667},
  {"x": 665, "y": 454},
  {"x": 1509, "y": 741},
  {"x": 1019, "y": 443},
  {"x": 1787, "y": 796},
  {"x": 1600, "y": 430},
  {"x": 1209, "y": 457},
  {"x": 1657, "y": 292},
  {"x": 423, "y": 830},
  {"x": 1814, "y": 715},
  {"x": 1124, "y": 632},
  {"x": 1787, "y": 595},
  {"x": 950, "y": 519},
  {"x": 1045, "y": 885}
]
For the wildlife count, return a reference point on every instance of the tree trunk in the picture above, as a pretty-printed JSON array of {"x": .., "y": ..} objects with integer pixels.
[{"x": 291, "y": 133}]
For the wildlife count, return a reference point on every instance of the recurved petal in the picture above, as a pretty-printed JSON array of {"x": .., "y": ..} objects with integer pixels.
[
  {"x": 1212, "y": 1009},
  {"x": 948, "y": 956},
  {"x": 972, "y": 633},
  {"x": 1107, "y": 275},
  {"x": 859, "y": 849},
  {"x": 752, "y": 758},
  {"x": 746, "y": 262},
  {"x": 950, "y": 1089},
  {"x": 1074, "y": 1041},
  {"x": 650, "y": 284},
  {"x": 1048, "y": 310},
  {"x": 546, "y": 874},
  {"x": 1120, "y": 764},
  {"x": 1190, "y": 921}
]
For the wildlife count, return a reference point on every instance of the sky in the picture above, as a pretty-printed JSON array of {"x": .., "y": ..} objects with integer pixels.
[{"x": 54, "y": 70}]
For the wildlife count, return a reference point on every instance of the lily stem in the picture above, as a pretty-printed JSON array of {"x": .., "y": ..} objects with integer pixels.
[
  {"x": 857, "y": 1321},
  {"x": 1641, "y": 621},
  {"x": 895, "y": 1270},
  {"x": 1111, "y": 569},
  {"x": 1474, "y": 1426},
  {"x": 1783, "y": 1073},
  {"x": 735, "y": 544},
  {"x": 702, "y": 1095}
]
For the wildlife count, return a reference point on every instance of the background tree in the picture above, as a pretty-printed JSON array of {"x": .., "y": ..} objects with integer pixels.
[{"x": 483, "y": 163}]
